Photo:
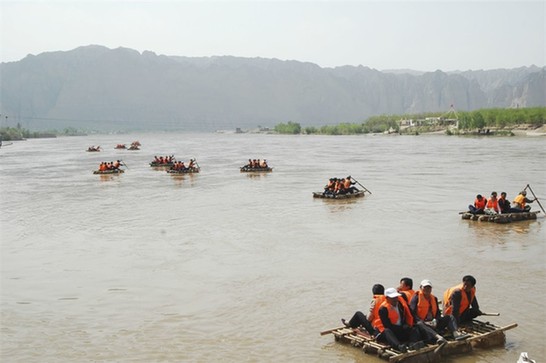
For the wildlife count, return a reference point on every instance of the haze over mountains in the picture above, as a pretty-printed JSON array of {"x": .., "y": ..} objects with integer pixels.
[{"x": 97, "y": 88}]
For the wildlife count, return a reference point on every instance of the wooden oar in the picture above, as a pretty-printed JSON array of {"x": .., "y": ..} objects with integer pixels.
[
  {"x": 331, "y": 330},
  {"x": 123, "y": 163},
  {"x": 538, "y": 201},
  {"x": 194, "y": 159},
  {"x": 356, "y": 181},
  {"x": 481, "y": 336},
  {"x": 438, "y": 350},
  {"x": 490, "y": 314}
]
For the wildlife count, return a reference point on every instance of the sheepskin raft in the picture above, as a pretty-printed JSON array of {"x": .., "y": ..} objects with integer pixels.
[
  {"x": 112, "y": 171},
  {"x": 184, "y": 171},
  {"x": 482, "y": 335},
  {"x": 500, "y": 218},
  {"x": 155, "y": 164},
  {"x": 246, "y": 169},
  {"x": 358, "y": 194}
]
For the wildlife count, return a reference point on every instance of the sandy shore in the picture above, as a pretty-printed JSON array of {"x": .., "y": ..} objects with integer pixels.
[{"x": 541, "y": 131}]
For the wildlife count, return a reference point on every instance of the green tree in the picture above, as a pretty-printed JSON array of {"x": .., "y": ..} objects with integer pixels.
[
  {"x": 288, "y": 128},
  {"x": 311, "y": 130},
  {"x": 478, "y": 121}
]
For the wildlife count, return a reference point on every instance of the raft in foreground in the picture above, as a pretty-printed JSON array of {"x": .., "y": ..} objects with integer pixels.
[
  {"x": 358, "y": 194},
  {"x": 482, "y": 335},
  {"x": 501, "y": 218}
]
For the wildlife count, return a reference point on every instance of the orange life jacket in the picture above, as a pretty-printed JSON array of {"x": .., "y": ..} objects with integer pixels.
[
  {"x": 493, "y": 204},
  {"x": 379, "y": 299},
  {"x": 347, "y": 183},
  {"x": 408, "y": 293},
  {"x": 393, "y": 314},
  {"x": 465, "y": 303},
  {"x": 480, "y": 204},
  {"x": 424, "y": 306}
]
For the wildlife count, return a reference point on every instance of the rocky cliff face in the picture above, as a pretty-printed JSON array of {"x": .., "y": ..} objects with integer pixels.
[{"x": 95, "y": 87}]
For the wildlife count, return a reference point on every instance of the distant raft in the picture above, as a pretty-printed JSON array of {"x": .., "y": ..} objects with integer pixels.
[
  {"x": 481, "y": 335},
  {"x": 501, "y": 218},
  {"x": 246, "y": 169},
  {"x": 155, "y": 164},
  {"x": 184, "y": 171},
  {"x": 358, "y": 194},
  {"x": 114, "y": 171}
]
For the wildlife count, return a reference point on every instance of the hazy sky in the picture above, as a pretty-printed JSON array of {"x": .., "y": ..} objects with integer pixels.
[{"x": 420, "y": 35}]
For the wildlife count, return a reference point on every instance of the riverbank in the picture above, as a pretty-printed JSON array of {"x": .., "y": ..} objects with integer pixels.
[
  {"x": 528, "y": 131},
  {"x": 522, "y": 130}
]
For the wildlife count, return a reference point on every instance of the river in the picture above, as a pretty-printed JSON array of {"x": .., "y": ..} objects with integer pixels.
[{"x": 226, "y": 266}]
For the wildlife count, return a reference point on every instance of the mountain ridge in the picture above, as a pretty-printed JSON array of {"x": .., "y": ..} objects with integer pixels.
[{"x": 95, "y": 87}]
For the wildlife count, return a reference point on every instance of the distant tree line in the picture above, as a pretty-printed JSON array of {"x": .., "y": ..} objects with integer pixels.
[
  {"x": 293, "y": 128},
  {"x": 20, "y": 133},
  {"x": 500, "y": 118},
  {"x": 479, "y": 119}
]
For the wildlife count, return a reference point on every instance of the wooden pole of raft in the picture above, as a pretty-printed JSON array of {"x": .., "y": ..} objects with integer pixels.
[
  {"x": 356, "y": 181},
  {"x": 507, "y": 327},
  {"x": 331, "y": 330}
]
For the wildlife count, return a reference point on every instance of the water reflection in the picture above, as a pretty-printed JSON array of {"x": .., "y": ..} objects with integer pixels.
[
  {"x": 495, "y": 229},
  {"x": 107, "y": 177},
  {"x": 181, "y": 180},
  {"x": 257, "y": 175},
  {"x": 338, "y": 205}
]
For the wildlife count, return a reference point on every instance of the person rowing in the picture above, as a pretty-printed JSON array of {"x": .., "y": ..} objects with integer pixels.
[
  {"x": 191, "y": 166},
  {"x": 520, "y": 203},
  {"x": 349, "y": 185}
]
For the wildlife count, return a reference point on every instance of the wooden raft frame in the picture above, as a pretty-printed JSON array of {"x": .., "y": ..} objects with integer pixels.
[
  {"x": 482, "y": 335},
  {"x": 359, "y": 194},
  {"x": 501, "y": 218},
  {"x": 184, "y": 171},
  {"x": 107, "y": 172},
  {"x": 245, "y": 169}
]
